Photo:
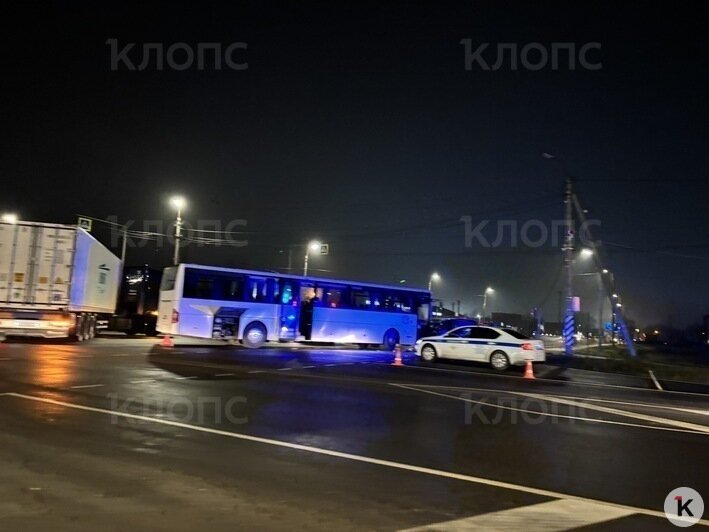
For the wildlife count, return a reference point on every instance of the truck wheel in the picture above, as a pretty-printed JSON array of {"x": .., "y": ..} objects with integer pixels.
[
  {"x": 78, "y": 334},
  {"x": 254, "y": 335},
  {"x": 91, "y": 334}
]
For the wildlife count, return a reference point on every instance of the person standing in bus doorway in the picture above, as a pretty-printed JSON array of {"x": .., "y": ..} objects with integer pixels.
[{"x": 305, "y": 325}]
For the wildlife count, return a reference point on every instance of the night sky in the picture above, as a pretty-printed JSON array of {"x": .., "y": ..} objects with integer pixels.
[{"x": 361, "y": 126}]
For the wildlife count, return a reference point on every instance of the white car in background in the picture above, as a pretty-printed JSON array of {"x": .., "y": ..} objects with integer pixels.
[{"x": 501, "y": 348}]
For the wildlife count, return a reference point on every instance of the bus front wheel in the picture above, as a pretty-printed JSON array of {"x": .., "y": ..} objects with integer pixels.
[
  {"x": 254, "y": 335},
  {"x": 391, "y": 338}
]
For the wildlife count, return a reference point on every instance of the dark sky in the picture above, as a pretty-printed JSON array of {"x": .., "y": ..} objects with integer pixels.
[{"x": 360, "y": 126}]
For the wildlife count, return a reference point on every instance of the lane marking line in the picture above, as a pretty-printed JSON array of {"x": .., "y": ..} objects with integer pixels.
[
  {"x": 568, "y": 383},
  {"x": 625, "y": 413},
  {"x": 223, "y": 374},
  {"x": 186, "y": 378},
  {"x": 353, "y": 457},
  {"x": 549, "y": 414},
  {"x": 550, "y": 516},
  {"x": 688, "y": 410},
  {"x": 654, "y": 380},
  {"x": 142, "y": 381},
  {"x": 256, "y": 371},
  {"x": 82, "y": 386}
]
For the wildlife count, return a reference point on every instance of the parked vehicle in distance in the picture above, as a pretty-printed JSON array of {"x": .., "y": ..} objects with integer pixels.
[
  {"x": 137, "y": 308},
  {"x": 56, "y": 281},
  {"x": 496, "y": 346},
  {"x": 256, "y": 306}
]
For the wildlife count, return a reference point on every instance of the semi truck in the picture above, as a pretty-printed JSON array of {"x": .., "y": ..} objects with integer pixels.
[
  {"x": 137, "y": 309},
  {"x": 56, "y": 281}
]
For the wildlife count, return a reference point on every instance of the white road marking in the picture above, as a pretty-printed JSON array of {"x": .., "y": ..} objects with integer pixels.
[
  {"x": 142, "y": 381},
  {"x": 354, "y": 457},
  {"x": 703, "y": 431},
  {"x": 551, "y": 516},
  {"x": 125, "y": 354},
  {"x": 284, "y": 369},
  {"x": 307, "y": 367},
  {"x": 563, "y": 396},
  {"x": 654, "y": 380},
  {"x": 542, "y": 379},
  {"x": 625, "y": 413},
  {"x": 81, "y": 386},
  {"x": 186, "y": 378},
  {"x": 223, "y": 374},
  {"x": 256, "y": 371}
]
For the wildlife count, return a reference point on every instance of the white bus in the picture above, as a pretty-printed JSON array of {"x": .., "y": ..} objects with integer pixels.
[{"x": 255, "y": 307}]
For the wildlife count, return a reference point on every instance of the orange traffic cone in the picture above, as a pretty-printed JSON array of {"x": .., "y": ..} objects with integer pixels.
[
  {"x": 167, "y": 341},
  {"x": 397, "y": 356},
  {"x": 529, "y": 371}
]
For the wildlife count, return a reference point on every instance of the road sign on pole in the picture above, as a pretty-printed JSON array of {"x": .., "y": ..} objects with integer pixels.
[{"x": 84, "y": 223}]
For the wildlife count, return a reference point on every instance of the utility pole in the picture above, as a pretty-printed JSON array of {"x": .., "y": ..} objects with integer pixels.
[
  {"x": 568, "y": 328},
  {"x": 600, "y": 310}
]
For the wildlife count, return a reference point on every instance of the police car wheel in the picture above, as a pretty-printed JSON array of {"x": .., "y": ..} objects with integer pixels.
[
  {"x": 499, "y": 361},
  {"x": 428, "y": 353}
]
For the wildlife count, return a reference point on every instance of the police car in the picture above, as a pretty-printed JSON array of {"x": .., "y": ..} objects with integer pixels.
[{"x": 498, "y": 347}]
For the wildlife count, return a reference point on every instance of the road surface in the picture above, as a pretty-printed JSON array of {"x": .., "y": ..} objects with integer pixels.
[{"x": 120, "y": 434}]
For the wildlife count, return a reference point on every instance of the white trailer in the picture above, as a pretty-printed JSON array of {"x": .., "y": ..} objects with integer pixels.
[{"x": 56, "y": 281}]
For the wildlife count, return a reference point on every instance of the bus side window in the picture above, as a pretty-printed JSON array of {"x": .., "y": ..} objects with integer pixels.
[
  {"x": 287, "y": 294},
  {"x": 274, "y": 291},
  {"x": 233, "y": 288},
  {"x": 361, "y": 299},
  {"x": 258, "y": 290}
]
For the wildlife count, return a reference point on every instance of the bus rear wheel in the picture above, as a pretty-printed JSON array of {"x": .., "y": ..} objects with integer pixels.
[
  {"x": 391, "y": 339},
  {"x": 254, "y": 335}
]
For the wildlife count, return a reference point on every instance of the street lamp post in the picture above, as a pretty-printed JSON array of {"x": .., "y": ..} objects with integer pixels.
[
  {"x": 434, "y": 277},
  {"x": 312, "y": 246},
  {"x": 488, "y": 290},
  {"x": 178, "y": 203}
]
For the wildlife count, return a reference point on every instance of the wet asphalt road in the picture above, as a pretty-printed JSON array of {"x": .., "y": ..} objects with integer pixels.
[{"x": 121, "y": 434}]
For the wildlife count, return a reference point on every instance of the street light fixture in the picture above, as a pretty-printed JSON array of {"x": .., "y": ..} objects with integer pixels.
[
  {"x": 9, "y": 218},
  {"x": 313, "y": 245},
  {"x": 488, "y": 291},
  {"x": 178, "y": 203},
  {"x": 434, "y": 277},
  {"x": 586, "y": 253}
]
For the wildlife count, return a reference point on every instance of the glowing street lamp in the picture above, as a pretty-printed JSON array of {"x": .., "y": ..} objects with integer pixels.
[
  {"x": 314, "y": 245},
  {"x": 586, "y": 253},
  {"x": 434, "y": 277},
  {"x": 488, "y": 291},
  {"x": 178, "y": 203},
  {"x": 9, "y": 218}
]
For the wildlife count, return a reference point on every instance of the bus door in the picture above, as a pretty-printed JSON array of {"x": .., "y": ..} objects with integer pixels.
[
  {"x": 287, "y": 298},
  {"x": 308, "y": 300}
]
